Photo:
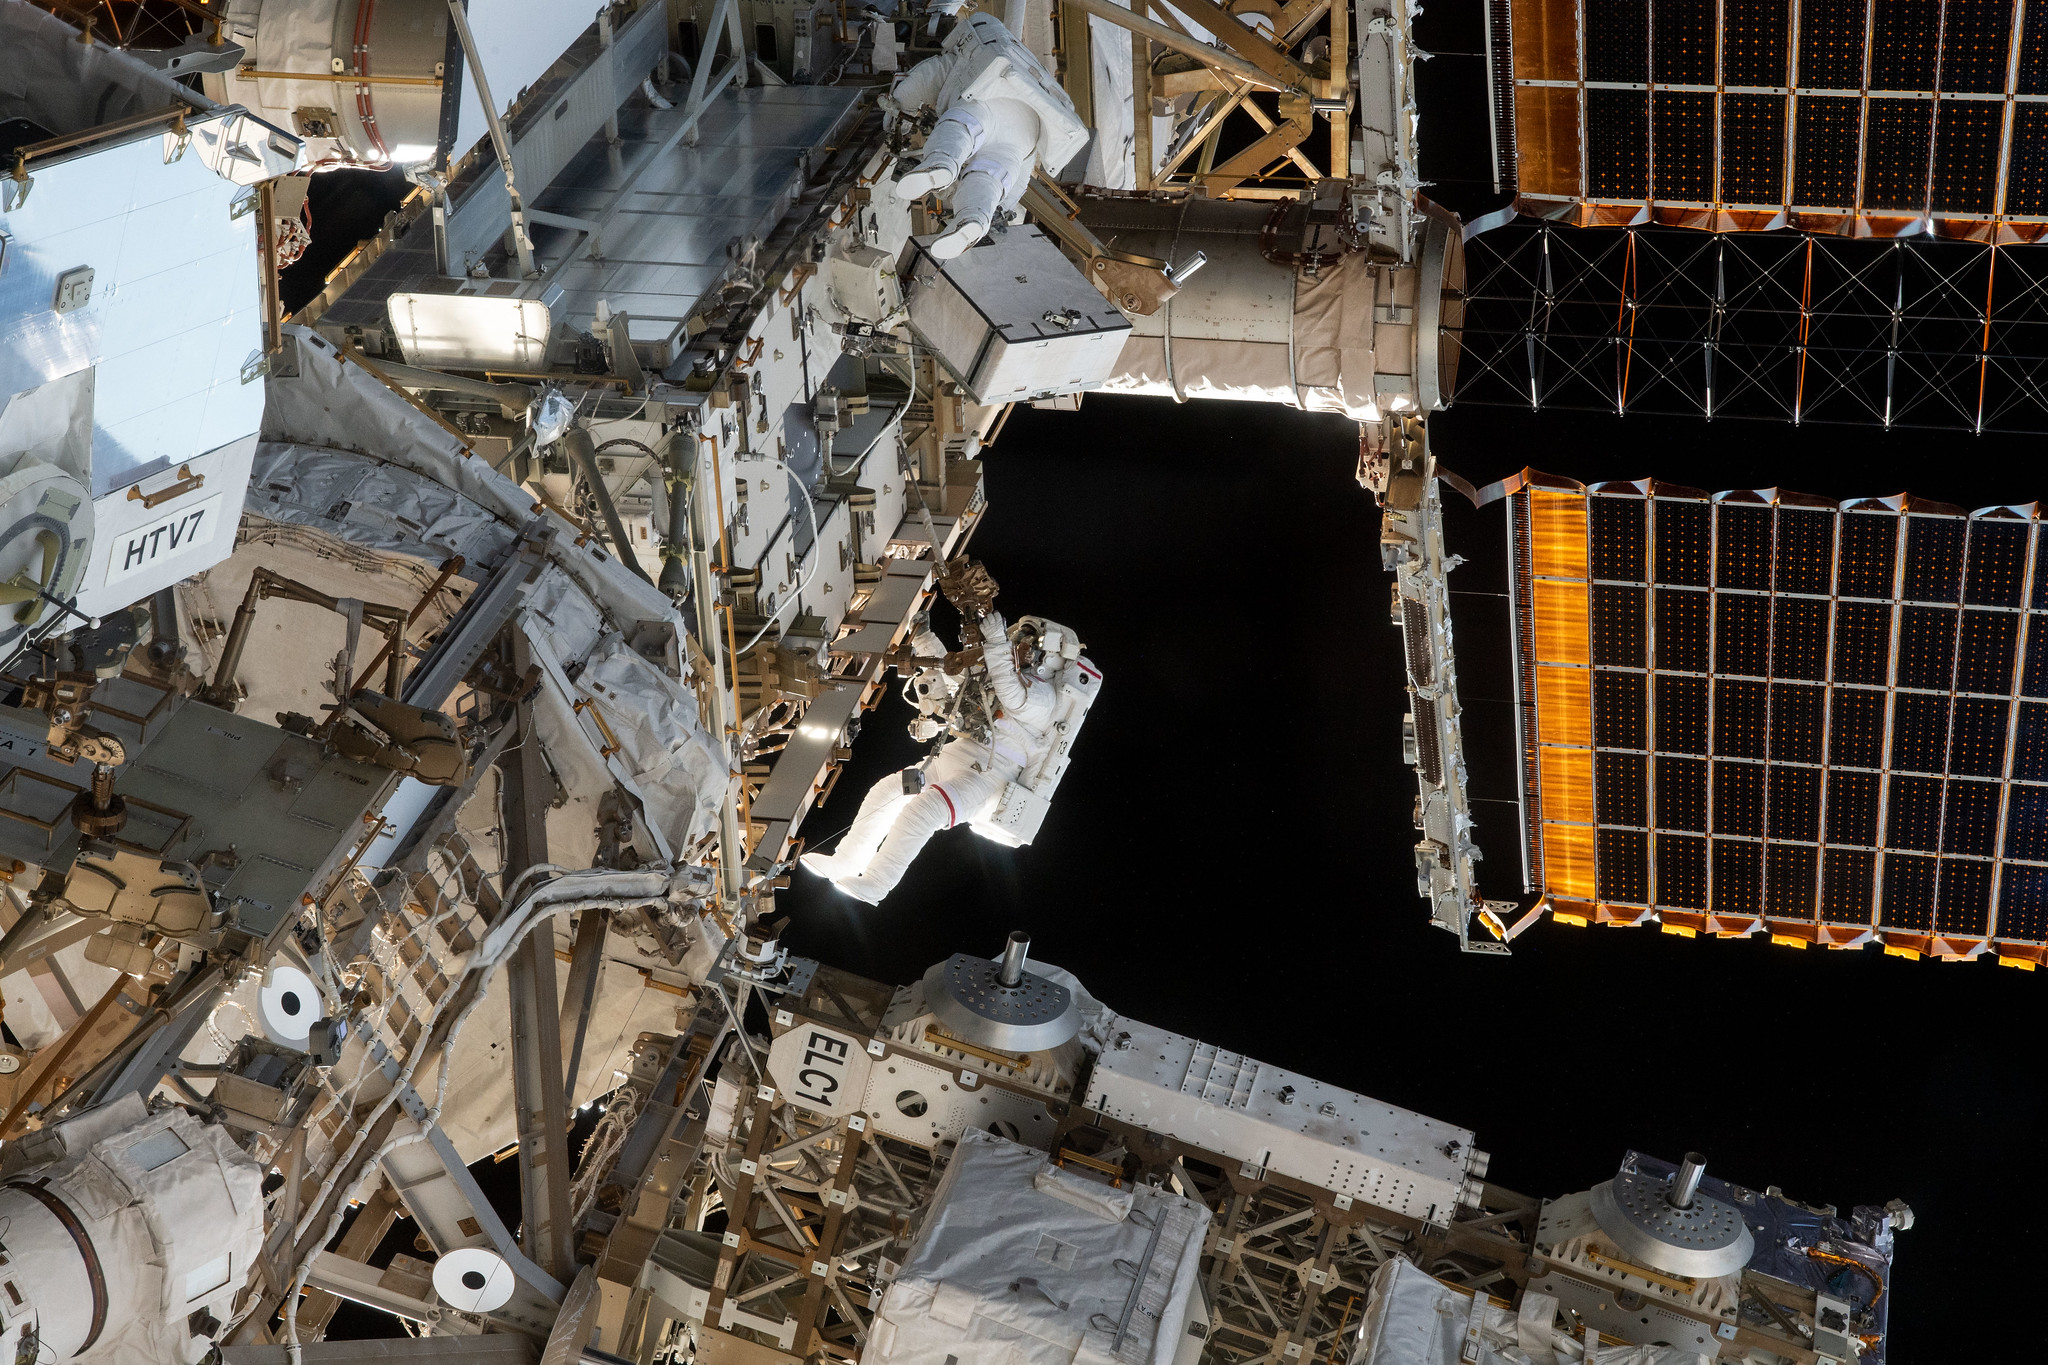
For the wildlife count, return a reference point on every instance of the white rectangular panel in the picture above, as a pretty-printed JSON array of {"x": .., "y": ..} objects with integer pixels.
[
  {"x": 137, "y": 549},
  {"x": 517, "y": 41},
  {"x": 1281, "y": 1121},
  {"x": 470, "y": 331},
  {"x": 1012, "y": 318}
]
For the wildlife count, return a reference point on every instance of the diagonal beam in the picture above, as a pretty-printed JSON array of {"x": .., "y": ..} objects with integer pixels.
[
  {"x": 1253, "y": 160},
  {"x": 579, "y": 995},
  {"x": 538, "y": 1101},
  {"x": 1247, "y": 42},
  {"x": 1199, "y": 136},
  {"x": 1270, "y": 71},
  {"x": 1294, "y": 22},
  {"x": 1294, "y": 154}
]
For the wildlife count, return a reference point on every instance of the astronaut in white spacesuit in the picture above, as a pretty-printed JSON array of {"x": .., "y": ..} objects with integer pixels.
[
  {"x": 1029, "y": 668},
  {"x": 1000, "y": 114}
]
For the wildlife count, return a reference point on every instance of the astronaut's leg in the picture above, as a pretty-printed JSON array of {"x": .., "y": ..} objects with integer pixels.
[
  {"x": 878, "y": 810},
  {"x": 978, "y": 196},
  {"x": 956, "y": 138},
  {"x": 956, "y": 800}
]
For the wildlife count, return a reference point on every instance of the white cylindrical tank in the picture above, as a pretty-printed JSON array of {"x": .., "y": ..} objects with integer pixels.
[
  {"x": 48, "y": 1286},
  {"x": 368, "y": 122},
  {"x": 1355, "y": 336},
  {"x": 125, "y": 1236}
]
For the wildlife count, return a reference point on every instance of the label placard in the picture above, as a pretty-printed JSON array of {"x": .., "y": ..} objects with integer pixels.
[
  {"x": 820, "y": 1069},
  {"x": 174, "y": 534}
]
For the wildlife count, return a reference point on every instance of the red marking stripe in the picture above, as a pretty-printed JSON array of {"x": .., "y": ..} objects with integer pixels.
[{"x": 952, "y": 816}]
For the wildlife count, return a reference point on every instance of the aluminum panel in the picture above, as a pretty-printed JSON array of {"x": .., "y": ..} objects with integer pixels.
[
  {"x": 516, "y": 42},
  {"x": 1277, "y": 1120},
  {"x": 1969, "y": 822},
  {"x": 2027, "y": 184},
  {"x": 1619, "y": 538},
  {"x": 1799, "y": 637},
  {"x": 1621, "y": 784},
  {"x": 2023, "y": 904},
  {"x": 1997, "y": 563},
  {"x": 1619, "y": 616},
  {"x": 1011, "y": 318},
  {"x": 1789, "y": 884},
  {"x": 1743, "y": 545},
  {"x": 1620, "y": 712},
  {"x": 1741, "y": 720},
  {"x": 1742, "y": 633},
  {"x": 2026, "y": 828},
  {"x": 1794, "y": 804},
  {"x": 1755, "y": 40},
  {"x": 173, "y": 315},
  {"x": 1798, "y": 722},
  {"x": 1985, "y": 650}
]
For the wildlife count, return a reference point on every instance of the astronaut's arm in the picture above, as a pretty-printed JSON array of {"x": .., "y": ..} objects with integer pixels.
[
  {"x": 923, "y": 642},
  {"x": 1030, "y": 705},
  {"x": 920, "y": 86}
]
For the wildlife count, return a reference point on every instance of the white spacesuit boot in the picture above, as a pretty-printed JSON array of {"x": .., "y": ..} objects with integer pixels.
[
  {"x": 886, "y": 799},
  {"x": 956, "y": 138},
  {"x": 856, "y": 849},
  {"x": 988, "y": 185},
  {"x": 955, "y": 795}
]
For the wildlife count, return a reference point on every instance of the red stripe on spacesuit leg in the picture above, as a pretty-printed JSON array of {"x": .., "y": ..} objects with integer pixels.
[{"x": 952, "y": 816}]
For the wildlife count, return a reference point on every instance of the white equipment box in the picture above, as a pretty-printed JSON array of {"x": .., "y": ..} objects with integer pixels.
[
  {"x": 1021, "y": 809},
  {"x": 1012, "y": 319},
  {"x": 1275, "y": 1120}
]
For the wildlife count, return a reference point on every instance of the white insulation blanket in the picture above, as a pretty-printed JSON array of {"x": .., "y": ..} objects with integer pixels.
[
  {"x": 344, "y": 455},
  {"x": 1413, "y": 1318},
  {"x": 1023, "y": 1263}
]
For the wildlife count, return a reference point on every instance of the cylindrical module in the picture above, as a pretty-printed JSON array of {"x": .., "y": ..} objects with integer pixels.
[
  {"x": 367, "y": 74},
  {"x": 51, "y": 1266},
  {"x": 126, "y": 1237},
  {"x": 1354, "y": 335}
]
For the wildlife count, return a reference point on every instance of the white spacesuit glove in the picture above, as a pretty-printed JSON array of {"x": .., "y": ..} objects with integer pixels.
[{"x": 994, "y": 630}]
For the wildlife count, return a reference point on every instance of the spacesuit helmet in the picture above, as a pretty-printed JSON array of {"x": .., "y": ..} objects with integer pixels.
[
  {"x": 1053, "y": 644},
  {"x": 1025, "y": 644}
]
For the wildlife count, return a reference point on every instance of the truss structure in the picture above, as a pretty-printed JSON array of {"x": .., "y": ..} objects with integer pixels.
[{"x": 794, "y": 1225}]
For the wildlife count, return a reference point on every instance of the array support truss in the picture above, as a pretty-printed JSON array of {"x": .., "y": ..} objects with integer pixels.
[
  {"x": 1412, "y": 549},
  {"x": 1911, "y": 332}
]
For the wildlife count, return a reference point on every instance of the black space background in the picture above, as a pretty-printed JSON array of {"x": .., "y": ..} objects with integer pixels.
[{"x": 1229, "y": 855}]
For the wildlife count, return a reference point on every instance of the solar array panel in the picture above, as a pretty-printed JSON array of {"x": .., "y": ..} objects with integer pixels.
[
  {"x": 1761, "y": 711},
  {"x": 1759, "y": 113}
]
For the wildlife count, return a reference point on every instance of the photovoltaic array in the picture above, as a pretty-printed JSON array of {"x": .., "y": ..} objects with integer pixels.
[
  {"x": 1753, "y": 113},
  {"x": 1757, "y": 710}
]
